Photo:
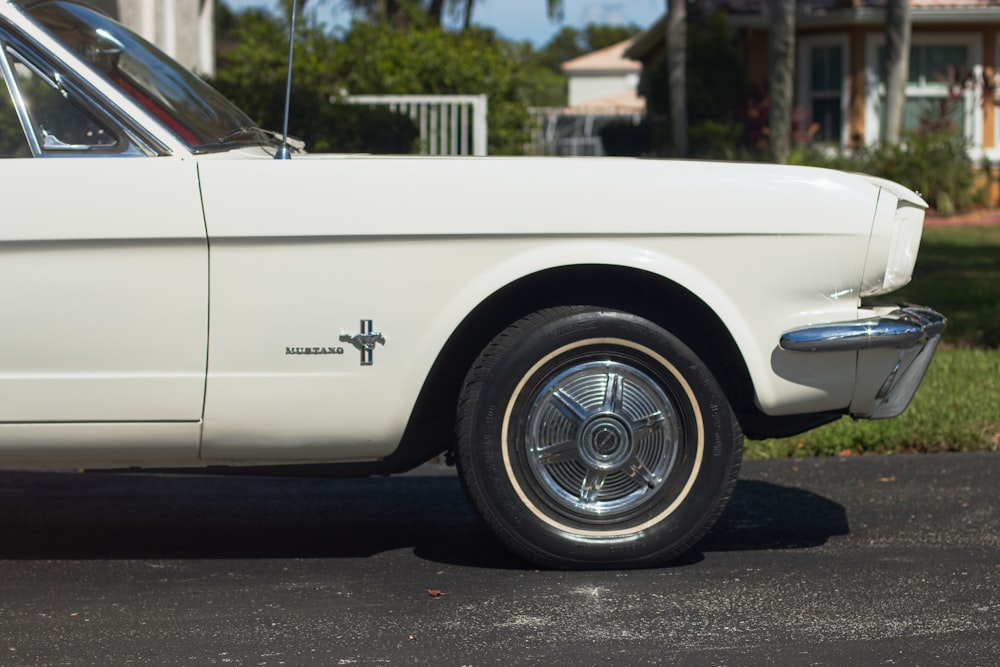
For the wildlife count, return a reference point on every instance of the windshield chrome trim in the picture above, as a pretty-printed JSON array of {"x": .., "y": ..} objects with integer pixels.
[
  {"x": 159, "y": 133},
  {"x": 70, "y": 80},
  {"x": 20, "y": 107}
]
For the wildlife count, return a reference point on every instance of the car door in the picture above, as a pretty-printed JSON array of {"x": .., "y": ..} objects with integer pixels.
[{"x": 103, "y": 261}]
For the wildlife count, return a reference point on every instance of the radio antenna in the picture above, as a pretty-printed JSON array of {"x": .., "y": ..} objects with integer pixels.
[{"x": 284, "y": 152}]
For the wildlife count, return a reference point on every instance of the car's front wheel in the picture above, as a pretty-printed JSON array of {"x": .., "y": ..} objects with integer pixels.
[{"x": 594, "y": 438}]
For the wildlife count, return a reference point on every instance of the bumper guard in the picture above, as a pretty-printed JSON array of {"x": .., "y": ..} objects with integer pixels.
[{"x": 912, "y": 330}]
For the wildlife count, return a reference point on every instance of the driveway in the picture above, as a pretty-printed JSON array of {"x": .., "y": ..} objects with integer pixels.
[{"x": 870, "y": 560}]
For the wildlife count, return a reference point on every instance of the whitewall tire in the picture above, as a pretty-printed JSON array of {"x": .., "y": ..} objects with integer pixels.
[{"x": 594, "y": 438}]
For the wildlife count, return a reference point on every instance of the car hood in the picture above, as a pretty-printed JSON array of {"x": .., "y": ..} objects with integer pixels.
[{"x": 409, "y": 195}]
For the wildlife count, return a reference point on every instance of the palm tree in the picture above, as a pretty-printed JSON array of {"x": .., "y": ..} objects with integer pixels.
[
  {"x": 677, "y": 74},
  {"x": 897, "y": 51},
  {"x": 782, "y": 61}
]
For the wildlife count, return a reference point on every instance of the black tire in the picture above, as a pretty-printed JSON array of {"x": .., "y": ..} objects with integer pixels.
[{"x": 594, "y": 438}]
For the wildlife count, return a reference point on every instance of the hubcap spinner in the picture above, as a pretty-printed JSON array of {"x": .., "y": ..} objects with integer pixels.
[{"x": 605, "y": 442}]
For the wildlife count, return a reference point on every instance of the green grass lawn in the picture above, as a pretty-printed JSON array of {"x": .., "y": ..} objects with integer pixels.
[
  {"x": 956, "y": 409},
  {"x": 958, "y": 405},
  {"x": 958, "y": 274}
]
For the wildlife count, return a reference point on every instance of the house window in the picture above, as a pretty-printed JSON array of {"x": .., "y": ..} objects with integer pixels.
[
  {"x": 934, "y": 63},
  {"x": 822, "y": 87},
  {"x": 825, "y": 83},
  {"x": 934, "y": 91},
  {"x": 937, "y": 90}
]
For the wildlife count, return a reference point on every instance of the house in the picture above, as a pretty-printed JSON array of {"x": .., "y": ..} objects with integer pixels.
[
  {"x": 605, "y": 80},
  {"x": 183, "y": 29},
  {"x": 840, "y": 64},
  {"x": 602, "y": 90}
]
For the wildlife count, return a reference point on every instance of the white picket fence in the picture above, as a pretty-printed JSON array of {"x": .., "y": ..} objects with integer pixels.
[{"x": 448, "y": 124}]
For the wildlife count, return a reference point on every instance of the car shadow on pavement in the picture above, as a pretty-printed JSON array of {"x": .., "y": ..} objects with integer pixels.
[
  {"x": 762, "y": 515},
  {"x": 133, "y": 516}
]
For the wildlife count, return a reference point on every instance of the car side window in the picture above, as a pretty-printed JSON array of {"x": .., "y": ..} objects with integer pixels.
[
  {"x": 57, "y": 124},
  {"x": 13, "y": 142}
]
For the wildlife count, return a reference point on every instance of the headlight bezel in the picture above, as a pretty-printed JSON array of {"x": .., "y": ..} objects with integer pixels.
[{"x": 892, "y": 248}]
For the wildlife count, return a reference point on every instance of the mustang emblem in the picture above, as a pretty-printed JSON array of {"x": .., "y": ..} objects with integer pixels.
[
  {"x": 365, "y": 341},
  {"x": 314, "y": 350}
]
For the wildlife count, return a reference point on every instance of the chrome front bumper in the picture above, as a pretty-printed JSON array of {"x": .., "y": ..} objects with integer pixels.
[{"x": 909, "y": 334}]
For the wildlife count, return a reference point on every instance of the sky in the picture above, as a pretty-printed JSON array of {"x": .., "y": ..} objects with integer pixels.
[{"x": 516, "y": 19}]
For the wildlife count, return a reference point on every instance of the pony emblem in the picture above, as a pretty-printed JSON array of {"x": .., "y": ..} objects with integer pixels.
[{"x": 365, "y": 341}]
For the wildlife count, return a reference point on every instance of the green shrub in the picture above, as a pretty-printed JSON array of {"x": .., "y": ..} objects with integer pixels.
[
  {"x": 379, "y": 60},
  {"x": 932, "y": 162},
  {"x": 717, "y": 140},
  {"x": 625, "y": 138}
]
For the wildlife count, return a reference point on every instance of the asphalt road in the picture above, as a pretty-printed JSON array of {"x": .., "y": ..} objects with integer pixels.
[{"x": 873, "y": 560}]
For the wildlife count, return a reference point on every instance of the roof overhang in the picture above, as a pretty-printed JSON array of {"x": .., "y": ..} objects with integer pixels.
[
  {"x": 649, "y": 40},
  {"x": 874, "y": 17},
  {"x": 813, "y": 18}
]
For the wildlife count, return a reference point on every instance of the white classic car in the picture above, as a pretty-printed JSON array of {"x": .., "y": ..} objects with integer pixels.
[{"x": 174, "y": 298}]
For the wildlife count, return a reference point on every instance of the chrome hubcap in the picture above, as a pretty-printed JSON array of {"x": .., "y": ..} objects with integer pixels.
[{"x": 602, "y": 437}]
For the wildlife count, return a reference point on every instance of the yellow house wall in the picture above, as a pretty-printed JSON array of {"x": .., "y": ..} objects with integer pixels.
[
  {"x": 856, "y": 86},
  {"x": 989, "y": 74},
  {"x": 755, "y": 55}
]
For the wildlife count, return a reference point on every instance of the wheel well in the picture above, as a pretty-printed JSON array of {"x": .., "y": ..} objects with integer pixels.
[{"x": 430, "y": 428}]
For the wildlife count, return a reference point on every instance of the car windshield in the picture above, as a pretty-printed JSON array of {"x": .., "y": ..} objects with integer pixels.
[{"x": 194, "y": 111}]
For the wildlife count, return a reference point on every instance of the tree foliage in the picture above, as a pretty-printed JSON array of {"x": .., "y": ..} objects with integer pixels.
[
  {"x": 377, "y": 59},
  {"x": 370, "y": 58},
  {"x": 571, "y": 43},
  {"x": 717, "y": 89}
]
